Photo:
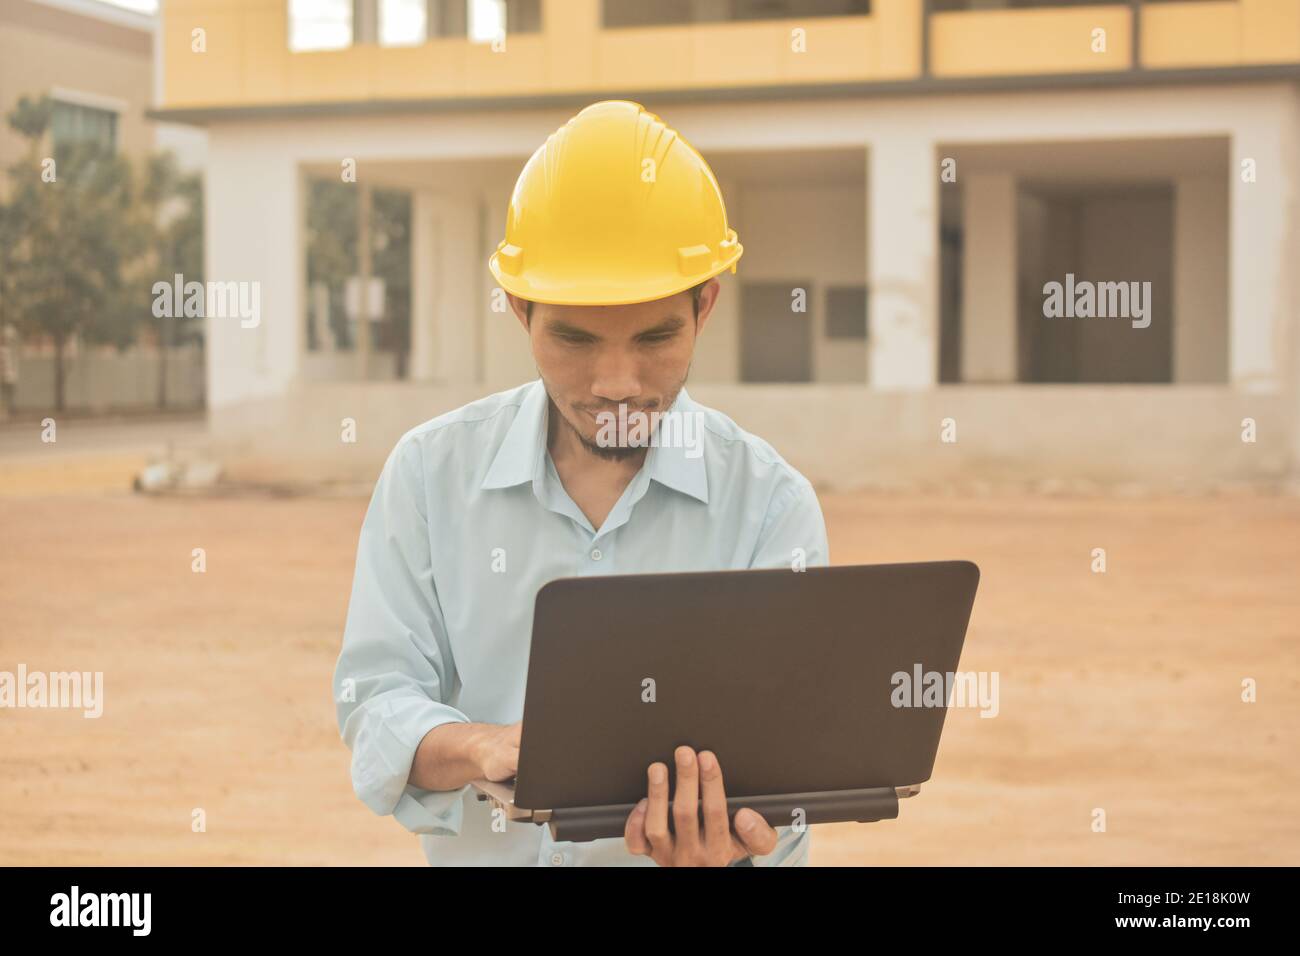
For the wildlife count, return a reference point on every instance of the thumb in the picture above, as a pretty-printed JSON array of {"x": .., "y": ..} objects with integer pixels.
[{"x": 755, "y": 834}]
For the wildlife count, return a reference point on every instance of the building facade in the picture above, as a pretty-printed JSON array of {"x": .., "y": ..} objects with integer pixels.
[
  {"x": 910, "y": 179},
  {"x": 96, "y": 62}
]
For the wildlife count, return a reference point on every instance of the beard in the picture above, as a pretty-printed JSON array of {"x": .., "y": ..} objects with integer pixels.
[
  {"x": 612, "y": 452},
  {"x": 607, "y": 452}
]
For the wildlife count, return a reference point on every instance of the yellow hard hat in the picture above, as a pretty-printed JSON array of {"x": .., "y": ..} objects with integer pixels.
[{"x": 613, "y": 208}]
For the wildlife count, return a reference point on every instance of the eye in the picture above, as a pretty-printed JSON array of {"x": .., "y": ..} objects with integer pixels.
[{"x": 656, "y": 339}]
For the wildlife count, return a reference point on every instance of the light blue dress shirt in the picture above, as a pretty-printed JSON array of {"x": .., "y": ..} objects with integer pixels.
[{"x": 468, "y": 520}]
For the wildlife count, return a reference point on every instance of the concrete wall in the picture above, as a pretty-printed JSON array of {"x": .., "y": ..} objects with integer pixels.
[
  {"x": 840, "y": 436},
  {"x": 254, "y": 234},
  {"x": 793, "y": 233},
  {"x": 94, "y": 381}
]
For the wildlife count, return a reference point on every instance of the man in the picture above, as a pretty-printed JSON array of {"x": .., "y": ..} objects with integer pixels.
[{"x": 615, "y": 235}]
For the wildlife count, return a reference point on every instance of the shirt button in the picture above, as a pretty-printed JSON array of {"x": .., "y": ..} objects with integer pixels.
[
  {"x": 557, "y": 859},
  {"x": 596, "y": 554}
]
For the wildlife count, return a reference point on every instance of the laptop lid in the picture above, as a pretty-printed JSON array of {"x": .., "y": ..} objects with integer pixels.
[{"x": 789, "y": 677}]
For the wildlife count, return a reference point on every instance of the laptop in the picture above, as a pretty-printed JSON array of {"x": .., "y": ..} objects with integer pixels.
[{"x": 801, "y": 682}]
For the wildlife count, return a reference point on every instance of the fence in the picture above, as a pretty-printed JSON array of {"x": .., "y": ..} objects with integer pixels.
[{"x": 98, "y": 382}]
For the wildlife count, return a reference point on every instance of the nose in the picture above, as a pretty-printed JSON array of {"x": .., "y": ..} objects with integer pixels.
[{"x": 617, "y": 376}]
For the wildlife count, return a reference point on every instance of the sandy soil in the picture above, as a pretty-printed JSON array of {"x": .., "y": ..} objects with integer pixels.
[{"x": 1119, "y": 691}]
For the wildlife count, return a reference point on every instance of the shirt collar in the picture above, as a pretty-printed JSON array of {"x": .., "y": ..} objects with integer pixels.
[
  {"x": 522, "y": 455},
  {"x": 673, "y": 466}
]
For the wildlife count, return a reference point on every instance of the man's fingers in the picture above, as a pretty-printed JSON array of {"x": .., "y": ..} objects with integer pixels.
[
  {"x": 754, "y": 833},
  {"x": 699, "y": 779},
  {"x": 717, "y": 827},
  {"x": 686, "y": 804},
  {"x": 656, "y": 813},
  {"x": 634, "y": 830}
]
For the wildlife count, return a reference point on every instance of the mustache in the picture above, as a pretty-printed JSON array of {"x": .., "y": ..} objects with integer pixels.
[{"x": 613, "y": 409}]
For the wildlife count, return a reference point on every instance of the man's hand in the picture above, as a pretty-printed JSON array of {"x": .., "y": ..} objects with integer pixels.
[
  {"x": 497, "y": 750},
  {"x": 453, "y": 754},
  {"x": 647, "y": 831}
]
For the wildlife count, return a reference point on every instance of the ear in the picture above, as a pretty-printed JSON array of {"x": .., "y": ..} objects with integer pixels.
[
  {"x": 520, "y": 308},
  {"x": 708, "y": 298}
]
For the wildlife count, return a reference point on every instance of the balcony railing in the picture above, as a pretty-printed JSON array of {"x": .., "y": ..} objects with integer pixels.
[{"x": 979, "y": 38}]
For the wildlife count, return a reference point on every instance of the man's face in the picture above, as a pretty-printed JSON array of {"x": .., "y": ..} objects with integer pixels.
[{"x": 592, "y": 358}]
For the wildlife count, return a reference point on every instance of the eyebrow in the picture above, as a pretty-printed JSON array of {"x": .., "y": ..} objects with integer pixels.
[{"x": 560, "y": 327}]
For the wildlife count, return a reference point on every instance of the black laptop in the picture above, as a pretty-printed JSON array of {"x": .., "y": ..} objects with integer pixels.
[{"x": 792, "y": 678}]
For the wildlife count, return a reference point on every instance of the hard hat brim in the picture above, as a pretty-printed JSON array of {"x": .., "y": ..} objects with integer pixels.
[{"x": 596, "y": 290}]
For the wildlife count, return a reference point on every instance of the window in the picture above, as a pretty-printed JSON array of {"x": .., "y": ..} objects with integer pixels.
[
  {"x": 403, "y": 22},
  {"x": 846, "y": 312},
  {"x": 75, "y": 123},
  {"x": 320, "y": 24},
  {"x": 334, "y": 24},
  {"x": 775, "y": 341},
  {"x": 639, "y": 13},
  {"x": 487, "y": 20},
  {"x": 956, "y": 6},
  {"x": 334, "y": 284},
  {"x": 412, "y": 22}
]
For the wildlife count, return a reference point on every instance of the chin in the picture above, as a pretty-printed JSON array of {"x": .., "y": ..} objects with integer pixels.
[{"x": 609, "y": 452}]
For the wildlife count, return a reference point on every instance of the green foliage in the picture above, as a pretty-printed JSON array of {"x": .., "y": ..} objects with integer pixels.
[
  {"x": 70, "y": 237},
  {"x": 172, "y": 203},
  {"x": 390, "y": 223},
  {"x": 84, "y": 235},
  {"x": 31, "y": 118},
  {"x": 332, "y": 210}
]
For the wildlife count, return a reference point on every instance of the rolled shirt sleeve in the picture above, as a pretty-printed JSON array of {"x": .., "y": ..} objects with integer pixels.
[{"x": 395, "y": 670}]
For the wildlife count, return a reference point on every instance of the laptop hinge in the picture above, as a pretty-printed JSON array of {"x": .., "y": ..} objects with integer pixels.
[{"x": 582, "y": 824}]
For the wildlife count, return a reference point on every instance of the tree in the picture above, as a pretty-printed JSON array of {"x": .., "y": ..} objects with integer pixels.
[
  {"x": 390, "y": 224},
  {"x": 332, "y": 249},
  {"x": 69, "y": 226},
  {"x": 332, "y": 259},
  {"x": 171, "y": 205}
]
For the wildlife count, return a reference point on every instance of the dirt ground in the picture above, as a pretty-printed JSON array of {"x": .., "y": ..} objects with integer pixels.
[{"x": 1119, "y": 691}]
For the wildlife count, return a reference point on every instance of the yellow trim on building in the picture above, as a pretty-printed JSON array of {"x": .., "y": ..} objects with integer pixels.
[
  {"x": 1020, "y": 42},
  {"x": 247, "y": 61},
  {"x": 1241, "y": 33}
]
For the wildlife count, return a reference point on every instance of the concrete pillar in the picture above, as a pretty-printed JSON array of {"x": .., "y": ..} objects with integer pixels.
[
  {"x": 717, "y": 353},
  {"x": 903, "y": 262},
  {"x": 365, "y": 261},
  {"x": 1200, "y": 279},
  {"x": 1257, "y": 236},
  {"x": 507, "y": 355},
  {"x": 424, "y": 308},
  {"x": 451, "y": 343},
  {"x": 989, "y": 269},
  {"x": 244, "y": 184}
]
